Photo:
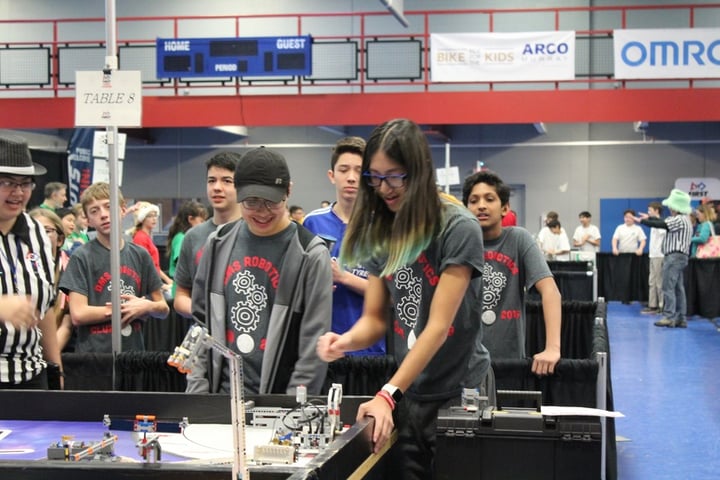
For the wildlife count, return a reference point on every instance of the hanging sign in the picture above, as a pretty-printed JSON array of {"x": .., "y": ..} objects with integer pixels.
[{"x": 108, "y": 100}]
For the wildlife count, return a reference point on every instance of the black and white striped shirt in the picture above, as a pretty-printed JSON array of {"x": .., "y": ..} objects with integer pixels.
[
  {"x": 679, "y": 232},
  {"x": 27, "y": 268}
]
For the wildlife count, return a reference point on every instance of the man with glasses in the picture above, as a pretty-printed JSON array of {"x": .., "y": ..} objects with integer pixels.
[
  {"x": 265, "y": 286},
  {"x": 27, "y": 336}
]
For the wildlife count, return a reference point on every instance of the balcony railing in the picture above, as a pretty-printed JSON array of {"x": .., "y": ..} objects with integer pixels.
[{"x": 355, "y": 52}]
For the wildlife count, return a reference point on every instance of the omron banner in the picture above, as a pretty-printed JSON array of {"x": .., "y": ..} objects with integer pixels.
[
  {"x": 667, "y": 53},
  {"x": 502, "y": 57},
  {"x": 234, "y": 57}
]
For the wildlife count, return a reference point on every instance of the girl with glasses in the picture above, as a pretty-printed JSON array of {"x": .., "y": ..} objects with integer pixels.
[{"x": 424, "y": 256}]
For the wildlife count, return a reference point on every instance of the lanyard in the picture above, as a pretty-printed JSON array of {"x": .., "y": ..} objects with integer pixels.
[{"x": 13, "y": 265}]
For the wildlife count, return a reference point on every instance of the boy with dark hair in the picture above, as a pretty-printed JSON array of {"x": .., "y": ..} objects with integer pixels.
[
  {"x": 628, "y": 237},
  {"x": 513, "y": 264},
  {"x": 297, "y": 214},
  {"x": 349, "y": 282},
  {"x": 220, "y": 181},
  {"x": 88, "y": 284},
  {"x": 587, "y": 236},
  {"x": 265, "y": 286},
  {"x": 544, "y": 235},
  {"x": 556, "y": 245}
]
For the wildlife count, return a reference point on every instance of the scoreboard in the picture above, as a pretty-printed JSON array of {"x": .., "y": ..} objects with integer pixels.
[{"x": 234, "y": 57}]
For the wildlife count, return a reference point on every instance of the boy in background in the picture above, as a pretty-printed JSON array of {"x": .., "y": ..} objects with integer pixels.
[
  {"x": 513, "y": 264},
  {"x": 555, "y": 244},
  {"x": 628, "y": 237},
  {"x": 88, "y": 283},
  {"x": 349, "y": 284},
  {"x": 655, "y": 254},
  {"x": 587, "y": 236},
  {"x": 220, "y": 189}
]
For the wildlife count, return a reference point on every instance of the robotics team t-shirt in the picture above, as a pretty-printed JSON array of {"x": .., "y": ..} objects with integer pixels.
[
  {"x": 250, "y": 282},
  {"x": 88, "y": 273}
]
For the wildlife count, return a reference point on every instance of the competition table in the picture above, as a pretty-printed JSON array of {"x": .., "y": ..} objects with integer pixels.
[{"x": 30, "y": 421}]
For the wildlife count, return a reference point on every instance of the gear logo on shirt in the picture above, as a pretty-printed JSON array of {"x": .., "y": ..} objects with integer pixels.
[
  {"x": 124, "y": 289},
  {"x": 245, "y": 314},
  {"x": 408, "y": 308},
  {"x": 494, "y": 283}
]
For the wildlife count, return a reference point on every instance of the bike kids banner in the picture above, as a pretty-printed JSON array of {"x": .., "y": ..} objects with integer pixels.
[{"x": 502, "y": 57}]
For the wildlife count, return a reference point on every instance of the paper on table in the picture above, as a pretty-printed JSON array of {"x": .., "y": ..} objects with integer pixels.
[{"x": 583, "y": 411}]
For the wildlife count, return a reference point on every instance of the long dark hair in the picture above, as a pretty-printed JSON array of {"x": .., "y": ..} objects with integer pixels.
[
  {"x": 374, "y": 230},
  {"x": 180, "y": 224}
]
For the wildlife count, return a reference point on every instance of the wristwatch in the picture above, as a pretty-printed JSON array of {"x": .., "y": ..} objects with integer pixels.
[{"x": 394, "y": 392}]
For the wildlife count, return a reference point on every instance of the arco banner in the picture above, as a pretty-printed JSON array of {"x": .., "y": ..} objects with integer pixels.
[{"x": 502, "y": 57}]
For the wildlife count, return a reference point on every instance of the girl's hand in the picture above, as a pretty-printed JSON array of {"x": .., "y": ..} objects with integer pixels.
[{"x": 379, "y": 409}]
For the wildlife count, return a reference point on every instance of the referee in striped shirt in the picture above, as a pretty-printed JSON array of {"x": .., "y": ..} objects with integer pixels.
[
  {"x": 28, "y": 337},
  {"x": 676, "y": 248}
]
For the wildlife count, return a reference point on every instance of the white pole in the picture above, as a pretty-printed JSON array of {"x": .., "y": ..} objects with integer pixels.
[
  {"x": 447, "y": 167},
  {"x": 115, "y": 220}
]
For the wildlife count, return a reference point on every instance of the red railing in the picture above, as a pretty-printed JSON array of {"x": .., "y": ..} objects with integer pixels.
[{"x": 58, "y": 33}]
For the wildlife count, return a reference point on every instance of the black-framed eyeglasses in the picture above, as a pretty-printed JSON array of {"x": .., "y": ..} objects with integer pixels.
[
  {"x": 393, "y": 181},
  {"x": 256, "y": 203},
  {"x": 10, "y": 185}
]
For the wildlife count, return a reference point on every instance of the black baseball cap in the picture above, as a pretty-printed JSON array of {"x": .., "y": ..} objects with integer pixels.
[{"x": 262, "y": 173}]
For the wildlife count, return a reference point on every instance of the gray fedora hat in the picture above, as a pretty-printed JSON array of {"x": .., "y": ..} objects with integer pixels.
[{"x": 15, "y": 157}]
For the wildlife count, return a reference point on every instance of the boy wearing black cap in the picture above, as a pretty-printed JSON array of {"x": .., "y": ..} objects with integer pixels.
[
  {"x": 27, "y": 336},
  {"x": 265, "y": 285}
]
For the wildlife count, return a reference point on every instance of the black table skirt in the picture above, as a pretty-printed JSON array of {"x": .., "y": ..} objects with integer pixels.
[{"x": 624, "y": 278}]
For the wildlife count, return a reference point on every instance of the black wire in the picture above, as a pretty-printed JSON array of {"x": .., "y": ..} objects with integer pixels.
[{"x": 300, "y": 408}]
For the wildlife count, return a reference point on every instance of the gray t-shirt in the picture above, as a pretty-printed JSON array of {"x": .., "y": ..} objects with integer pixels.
[
  {"x": 462, "y": 360},
  {"x": 88, "y": 273},
  {"x": 190, "y": 253},
  {"x": 250, "y": 282},
  {"x": 513, "y": 264}
]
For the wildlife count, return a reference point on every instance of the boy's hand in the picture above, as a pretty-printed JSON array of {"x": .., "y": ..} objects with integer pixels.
[
  {"x": 331, "y": 346},
  {"x": 338, "y": 272},
  {"x": 545, "y": 361},
  {"x": 132, "y": 307}
]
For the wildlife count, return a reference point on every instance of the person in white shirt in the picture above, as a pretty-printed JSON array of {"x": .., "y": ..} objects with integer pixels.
[
  {"x": 545, "y": 230},
  {"x": 628, "y": 237},
  {"x": 556, "y": 245},
  {"x": 656, "y": 256},
  {"x": 587, "y": 236}
]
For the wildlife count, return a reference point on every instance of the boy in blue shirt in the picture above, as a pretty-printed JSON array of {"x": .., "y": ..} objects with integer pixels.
[{"x": 329, "y": 223}]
